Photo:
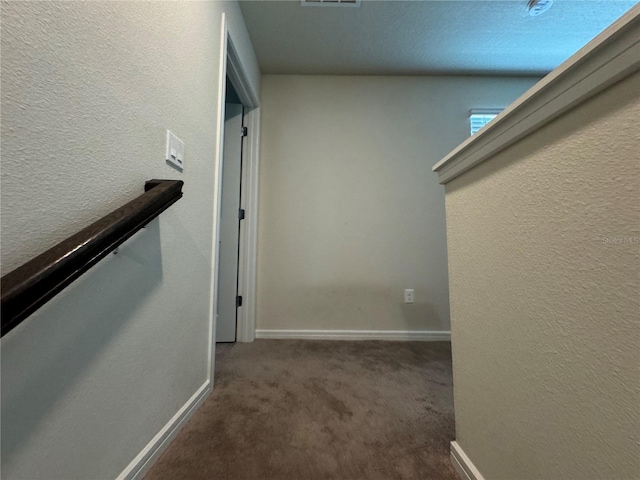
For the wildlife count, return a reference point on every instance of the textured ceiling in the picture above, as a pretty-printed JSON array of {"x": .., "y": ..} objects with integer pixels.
[{"x": 422, "y": 37}]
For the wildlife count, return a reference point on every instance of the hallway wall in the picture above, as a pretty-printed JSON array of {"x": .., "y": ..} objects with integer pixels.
[
  {"x": 88, "y": 91},
  {"x": 350, "y": 213},
  {"x": 544, "y": 258}
]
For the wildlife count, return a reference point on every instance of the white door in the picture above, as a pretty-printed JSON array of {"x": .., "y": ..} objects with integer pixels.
[{"x": 229, "y": 224}]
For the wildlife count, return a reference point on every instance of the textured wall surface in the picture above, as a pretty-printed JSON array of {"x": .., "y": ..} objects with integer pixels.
[
  {"x": 544, "y": 265},
  {"x": 422, "y": 37},
  {"x": 350, "y": 213},
  {"x": 88, "y": 91}
]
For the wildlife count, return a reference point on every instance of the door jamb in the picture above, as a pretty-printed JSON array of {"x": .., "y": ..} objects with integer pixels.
[
  {"x": 247, "y": 260},
  {"x": 249, "y": 233}
]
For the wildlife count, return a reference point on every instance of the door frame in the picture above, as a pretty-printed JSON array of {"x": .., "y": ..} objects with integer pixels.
[
  {"x": 247, "y": 261},
  {"x": 250, "y": 171}
]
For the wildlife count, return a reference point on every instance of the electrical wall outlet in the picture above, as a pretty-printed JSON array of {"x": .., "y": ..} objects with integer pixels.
[{"x": 408, "y": 295}]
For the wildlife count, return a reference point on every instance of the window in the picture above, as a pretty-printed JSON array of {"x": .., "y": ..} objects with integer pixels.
[{"x": 479, "y": 118}]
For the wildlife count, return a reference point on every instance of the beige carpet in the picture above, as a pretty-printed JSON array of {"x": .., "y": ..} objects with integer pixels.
[{"x": 307, "y": 410}]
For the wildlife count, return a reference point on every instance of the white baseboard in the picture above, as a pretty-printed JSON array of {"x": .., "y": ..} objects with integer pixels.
[
  {"x": 149, "y": 454},
  {"x": 465, "y": 467},
  {"x": 397, "y": 335}
]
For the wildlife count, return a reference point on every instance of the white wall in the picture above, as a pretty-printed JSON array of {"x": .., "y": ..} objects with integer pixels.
[
  {"x": 350, "y": 213},
  {"x": 544, "y": 257},
  {"x": 88, "y": 91}
]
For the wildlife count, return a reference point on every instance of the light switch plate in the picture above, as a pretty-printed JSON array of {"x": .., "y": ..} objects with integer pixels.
[{"x": 175, "y": 151}]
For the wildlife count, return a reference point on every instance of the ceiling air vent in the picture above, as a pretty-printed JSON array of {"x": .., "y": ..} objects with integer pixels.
[{"x": 330, "y": 3}]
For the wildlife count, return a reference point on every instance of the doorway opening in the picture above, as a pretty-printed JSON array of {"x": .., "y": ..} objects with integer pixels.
[{"x": 231, "y": 218}]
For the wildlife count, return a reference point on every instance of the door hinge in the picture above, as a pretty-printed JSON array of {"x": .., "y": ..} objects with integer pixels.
[
  {"x": 245, "y": 132},
  {"x": 241, "y": 214},
  {"x": 238, "y": 301}
]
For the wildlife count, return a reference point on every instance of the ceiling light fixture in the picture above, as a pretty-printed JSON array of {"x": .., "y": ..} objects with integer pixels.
[{"x": 538, "y": 7}]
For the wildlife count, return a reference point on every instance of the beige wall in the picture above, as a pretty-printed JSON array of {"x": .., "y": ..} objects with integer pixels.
[
  {"x": 545, "y": 300},
  {"x": 88, "y": 91},
  {"x": 350, "y": 213}
]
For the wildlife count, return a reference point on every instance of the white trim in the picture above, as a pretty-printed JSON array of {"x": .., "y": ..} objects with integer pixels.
[
  {"x": 238, "y": 77},
  {"x": 398, "y": 335},
  {"x": 247, "y": 261},
  {"x": 608, "y": 58},
  {"x": 464, "y": 466},
  {"x": 246, "y": 325},
  {"x": 217, "y": 199},
  {"x": 149, "y": 454}
]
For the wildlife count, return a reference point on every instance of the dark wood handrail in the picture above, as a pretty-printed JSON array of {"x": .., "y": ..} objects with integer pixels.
[{"x": 30, "y": 286}]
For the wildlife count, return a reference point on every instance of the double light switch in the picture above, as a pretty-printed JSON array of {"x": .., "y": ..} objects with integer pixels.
[{"x": 175, "y": 151}]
